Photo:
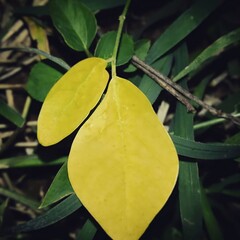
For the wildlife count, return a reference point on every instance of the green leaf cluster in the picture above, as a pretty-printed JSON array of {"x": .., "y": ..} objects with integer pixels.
[{"x": 194, "y": 197}]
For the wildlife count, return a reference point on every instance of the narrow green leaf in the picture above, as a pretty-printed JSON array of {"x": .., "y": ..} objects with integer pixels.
[
  {"x": 106, "y": 44},
  {"x": 168, "y": 10},
  {"x": 95, "y": 5},
  {"x": 75, "y": 22},
  {"x": 206, "y": 124},
  {"x": 11, "y": 114},
  {"x": 212, "y": 51},
  {"x": 182, "y": 27},
  {"x": 205, "y": 151},
  {"x": 188, "y": 183},
  {"x": 59, "y": 188},
  {"x": 231, "y": 103},
  {"x": 199, "y": 90},
  {"x": 219, "y": 187},
  {"x": 87, "y": 232},
  {"x": 55, "y": 214},
  {"x": 20, "y": 198},
  {"x": 148, "y": 86},
  {"x": 231, "y": 193},
  {"x": 190, "y": 200},
  {"x": 41, "y": 79},
  {"x": 235, "y": 139},
  {"x": 29, "y": 161},
  {"x": 213, "y": 229},
  {"x": 141, "y": 48},
  {"x": 3, "y": 207},
  {"x": 233, "y": 68},
  {"x": 56, "y": 60}
]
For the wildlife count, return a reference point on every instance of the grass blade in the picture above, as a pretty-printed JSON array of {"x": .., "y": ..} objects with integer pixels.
[
  {"x": 205, "y": 151},
  {"x": 148, "y": 86},
  {"x": 211, "y": 223},
  {"x": 55, "y": 214},
  {"x": 11, "y": 114},
  {"x": 3, "y": 207},
  {"x": 188, "y": 184},
  {"x": 59, "y": 188},
  {"x": 189, "y": 197},
  {"x": 29, "y": 161},
  {"x": 56, "y": 60},
  {"x": 87, "y": 232},
  {"x": 213, "y": 50},
  {"x": 20, "y": 198},
  {"x": 181, "y": 27}
]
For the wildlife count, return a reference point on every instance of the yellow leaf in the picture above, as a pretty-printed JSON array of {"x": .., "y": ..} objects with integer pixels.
[
  {"x": 71, "y": 99},
  {"x": 122, "y": 164},
  {"x": 39, "y": 34}
]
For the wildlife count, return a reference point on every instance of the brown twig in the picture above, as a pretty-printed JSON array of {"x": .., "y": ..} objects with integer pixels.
[{"x": 177, "y": 91}]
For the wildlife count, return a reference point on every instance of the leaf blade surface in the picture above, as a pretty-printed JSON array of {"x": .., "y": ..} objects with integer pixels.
[
  {"x": 71, "y": 99},
  {"x": 122, "y": 164}
]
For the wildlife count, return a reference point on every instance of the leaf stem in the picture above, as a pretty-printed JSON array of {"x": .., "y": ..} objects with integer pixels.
[
  {"x": 122, "y": 18},
  {"x": 87, "y": 52}
]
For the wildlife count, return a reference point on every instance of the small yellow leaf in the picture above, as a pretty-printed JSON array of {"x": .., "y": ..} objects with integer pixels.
[
  {"x": 123, "y": 165},
  {"x": 71, "y": 99},
  {"x": 39, "y": 34}
]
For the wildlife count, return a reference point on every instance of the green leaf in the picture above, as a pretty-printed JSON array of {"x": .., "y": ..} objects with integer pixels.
[
  {"x": 20, "y": 198},
  {"x": 148, "y": 86},
  {"x": 205, "y": 151},
  {"x": 3, "y": 207},
  {"x": 87, "y": 232},
  {"x": 188, "y": 182},
  {"x": 11, "y": 114},
  {"x": 233, "y": 68},
  {"x": 95, "y": 5},
  {"x": 169, "y": 9},
  {"x": 55, "y": 214},
  {"x": 59, "y": 188},
  {"x": 41, "y": 79},
  {"x": 106, "y": 44},
  {"x": 200, "y": 89},
  {"x": 235, "y": 139},
  {"x": 231, "y": 193},
  {"x": 29, "y": 161},
  {"x": 141, "y": 48},
  {"x": 75, "y": 22},
  {"x": 219, "y": 187},
  {"x": 56, "y": 60},
  {"x": 182, "y": 27},
  {"x": 230, "y": 103},
  {"x": 212, "y": 51},
  {"x": 190, "y": 200},
  {"x": 213, "y": 228}
]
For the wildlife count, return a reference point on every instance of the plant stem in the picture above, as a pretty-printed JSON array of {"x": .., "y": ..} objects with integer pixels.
[
  {"x": 212, "y": 122},
  {"x": 162, "y": 81},
  {"x": 87, "y": 52},
  {"x": 118, "y": 38},
  {"x": 178, "y": 92}
]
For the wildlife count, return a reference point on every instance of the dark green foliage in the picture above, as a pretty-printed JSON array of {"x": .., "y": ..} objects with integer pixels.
[{"x": 192, "y": 42}]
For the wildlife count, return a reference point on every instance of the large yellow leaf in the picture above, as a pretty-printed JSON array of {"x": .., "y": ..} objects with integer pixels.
[
  {"x": 71, "y": 99},
  {"x": 122, "y": 164}
]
